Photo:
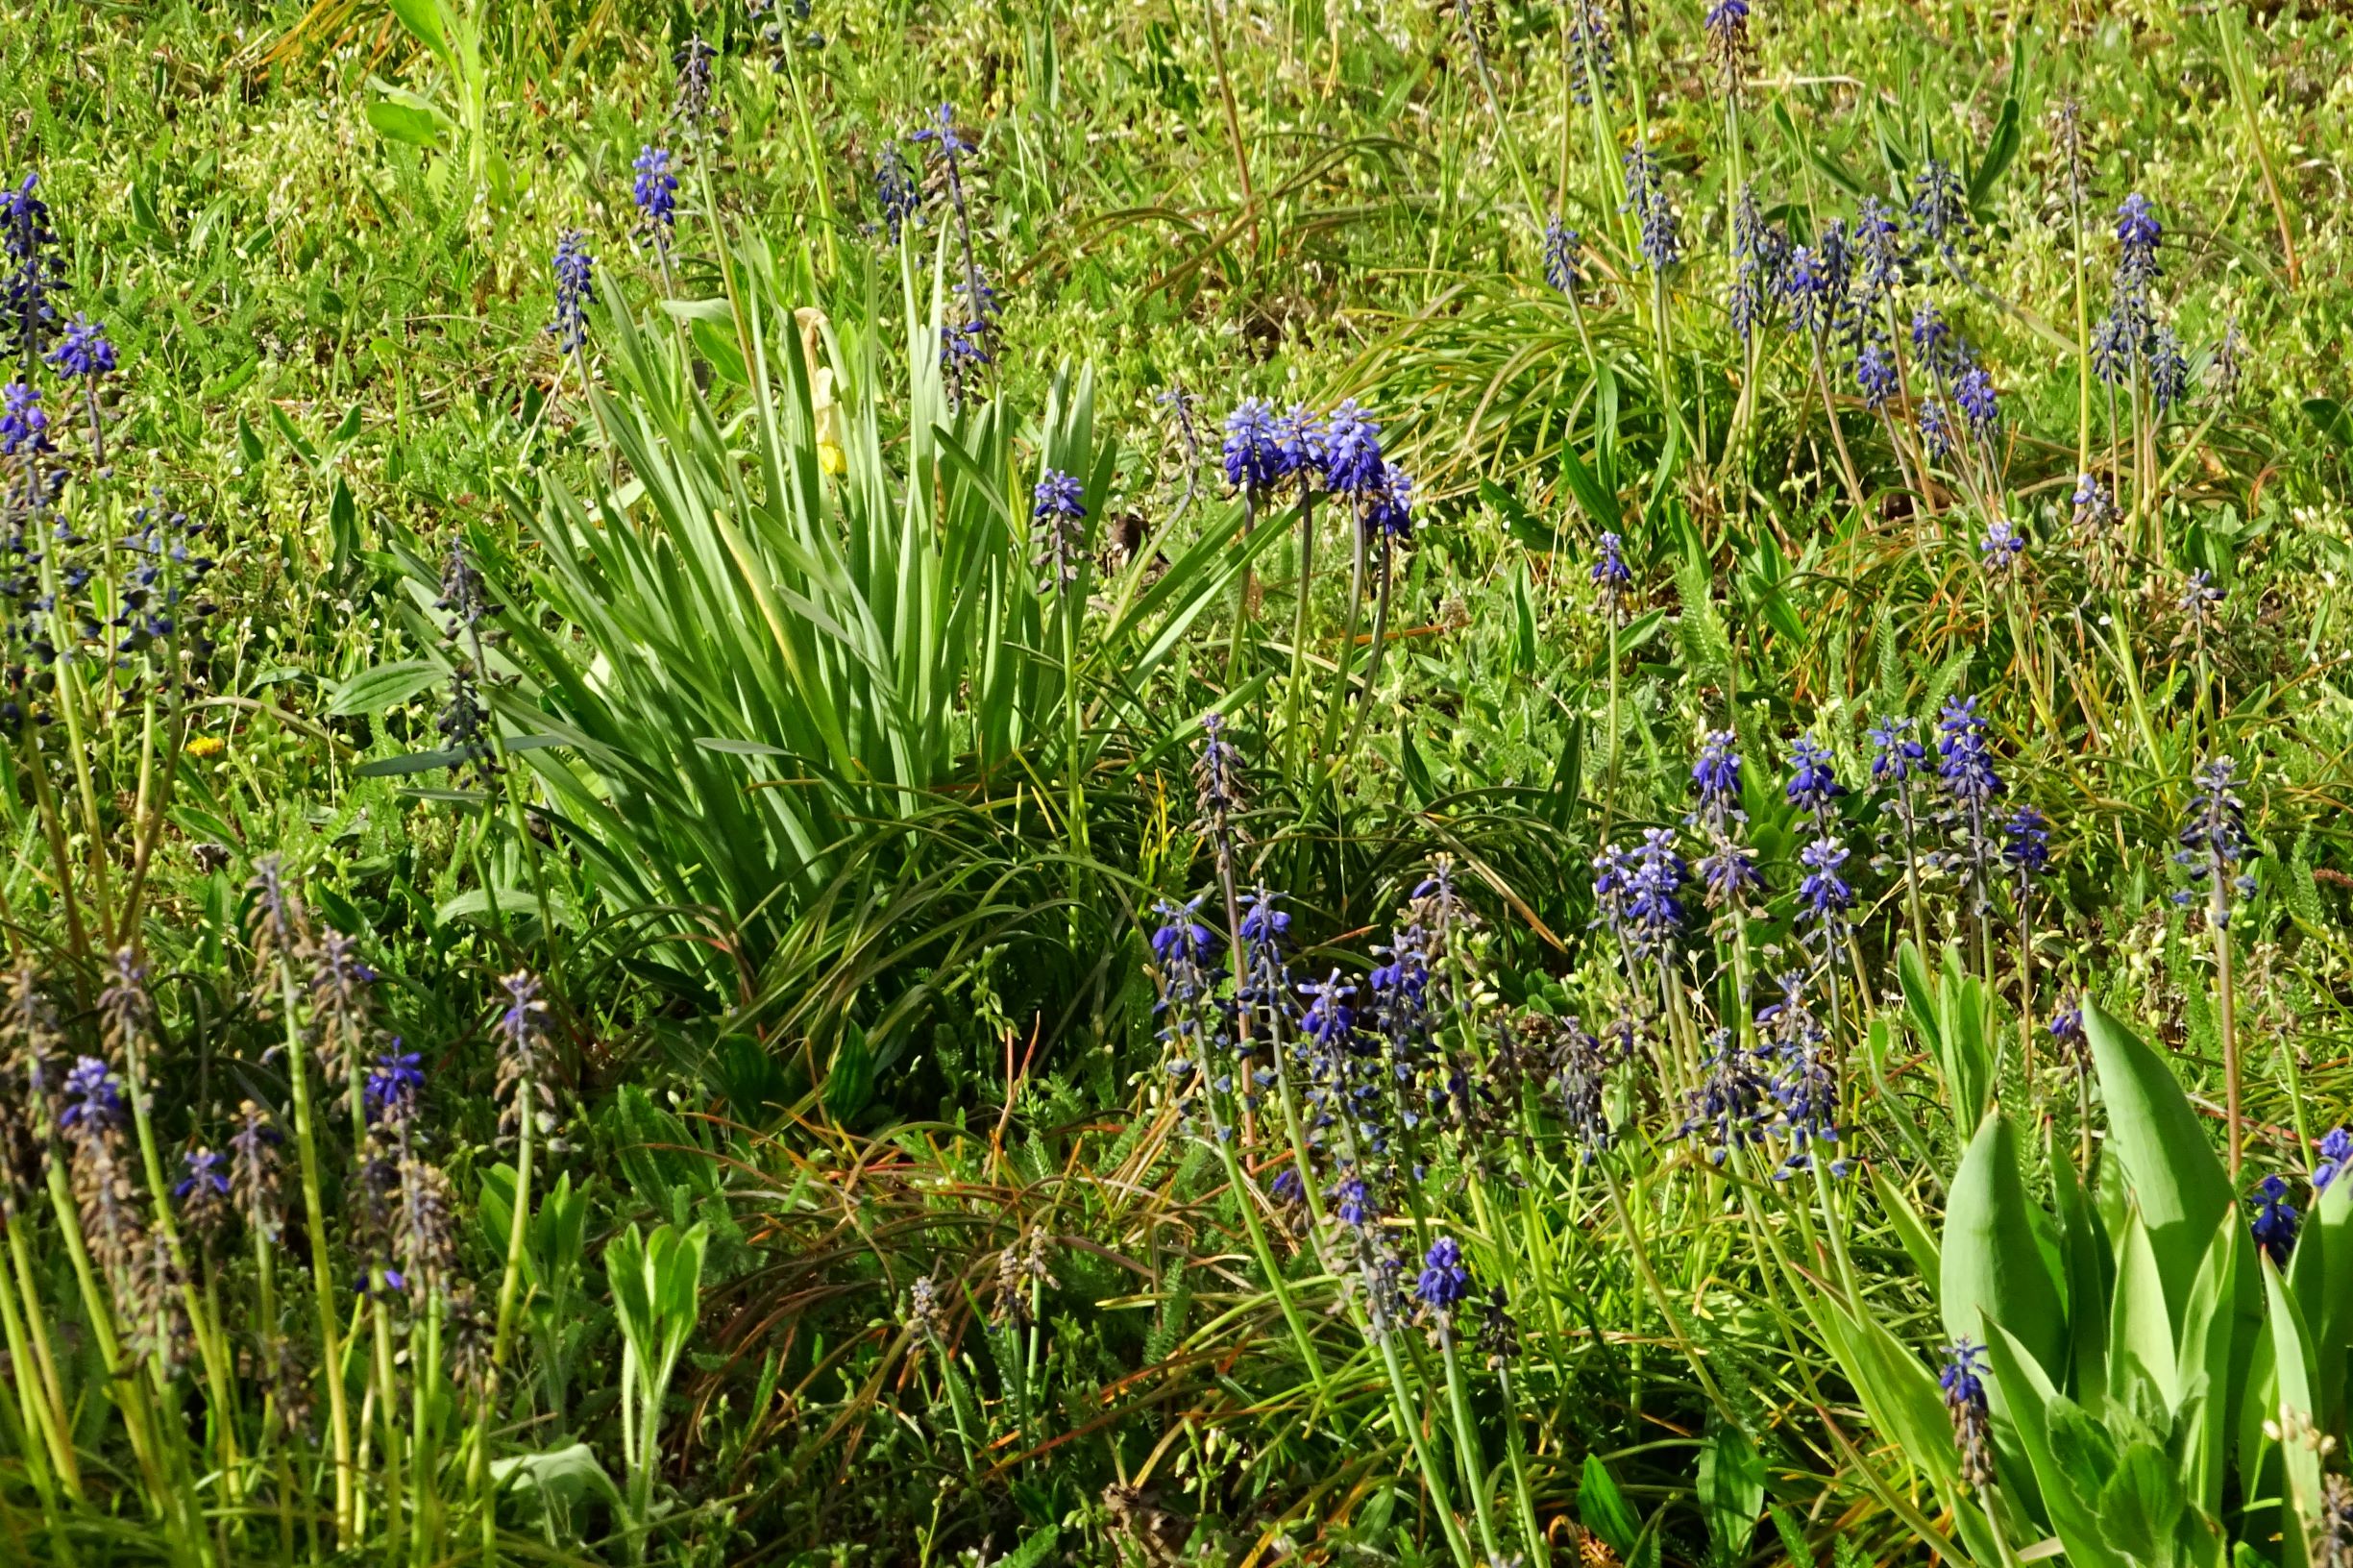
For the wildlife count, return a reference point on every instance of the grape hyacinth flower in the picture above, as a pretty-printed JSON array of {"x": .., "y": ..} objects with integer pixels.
[
  {"x": 1734, "y": 1101},
  {"x": 1875, "y": 375},
  {"x": 1353, "y": 465},
  {"x": 393, "y": 1087},
  {"x": 1964, "y": 1388},
  {"x": 1760, "y": 252},
  {"x": 2066, "y": 1031},
  {"x": 1813, "y": 785},
  {"x": 1940, "y": 207},
  {"x": 1592, "y": 50},
  {"x": 1804, "y": 1084},
  {"x": 94, "y": 1098},
  {"x": 1059, "y": 514},
  {"x": 522, "y": 1089},
  {"x": 2276, "y": 1221},
  {"x": 1444, "y": 1281},
  {"x": 1351, "y": 1205},
  {"x": 655, "y": 190},
  {"x": 1301, "y": 437},
  {"x": 2168, "y": 370},
  {"x": 1255, "y": 459},
  {"x": 1560, "y": 250},
  {"x": 966, "y": 342},
  {"x": 2002, "y": 547},
  {"x": 1582, "y": 1067},
  {"x": 2214, "y": 839},
  {"x": 1727, "y": 870},
  {"x": 1978, "y": 402},
  {"x": 1810, "y": 284},
  {"x": 1826, "y": 900},
  {"x": 24, "y": 424},
  {"x": 2138, "y": 234},
  {"x": 1266, "y": 988},
  {"x": 896, "y": 191},
  {"x": 2336, "y": 1150},
  {"x": 1876, "y": 272},
  {"x": 1934, "y": 343},
  {"x": 2200, "y": 599},
  {"x": 1965, "y": 764},
  {"x": 1935, "y": 430},
  {"x": 574, "y": 268},
  {"x": 2228, "y": 366},
  {"x": 1612, "y": 580},
  {"x": 1728, "y": 47},
  {"x": 2093, "y": 507},
  {"x": 1653, "y": 903},
  {"x": 82, "y": 349},
  {"x": 203, "y": 1192},
  {"x": 28, "y": 248},
  {"x": 1217, "y": 784},
  {"x": 2114, "y": 350},
  {"x": 693, "y": 61},
  {"x": 2026, "y": 843},
  {"x": 1192, "y": 1025},
  {"x": 1660, "y": 239},
  {"x": 1388, "y": 513},
  {"x": 253, "y": 1170}
]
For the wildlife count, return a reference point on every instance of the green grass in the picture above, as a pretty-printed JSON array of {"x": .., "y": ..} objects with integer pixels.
[{"x": 833, "y": 825}]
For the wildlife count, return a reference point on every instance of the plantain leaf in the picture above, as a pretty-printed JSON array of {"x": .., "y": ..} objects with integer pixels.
[
  {"x": 1602, "y": 1507},
  {"x": 2170, "y": 1166},
  {"x": 1731, "y": 1490}
]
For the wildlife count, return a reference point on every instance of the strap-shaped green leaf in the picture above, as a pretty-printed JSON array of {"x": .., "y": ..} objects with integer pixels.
[
  {"x": 2173, "y": 1173},
  {"x": 1993, "y": 1269}
]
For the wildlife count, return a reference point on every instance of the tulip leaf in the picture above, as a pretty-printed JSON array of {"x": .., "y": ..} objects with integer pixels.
[
  {"x": 1993, "y": 1268},
  {"x": 2171, "y": 1169},
  {"x": 2143, "y": 1356}
]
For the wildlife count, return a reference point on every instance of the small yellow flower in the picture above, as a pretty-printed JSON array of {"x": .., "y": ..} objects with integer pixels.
[
  {"x": 830, "y": 454},
  {"x": 206, "y": 745}
]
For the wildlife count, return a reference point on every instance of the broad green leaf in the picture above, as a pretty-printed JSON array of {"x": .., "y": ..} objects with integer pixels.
[
  {"x": 2088, "y": 1265},
  {"x": 2329, "y": 1310},
  {"x": 1898, "y": 1391},
  {"x": 2141, "y": 1348},
  {"x": 1032, "y": 1551},
  {"x": 2294, "y": 1407},
  {"x": 1731, "y": 1490},
  {"x": 2209, "y": 1326},
  {"x": 403, "y": 122},
  {"x": 1971, "y": 1048},
  {"x": 1602, "y": 1509},
  {"x": 2029, "y": 1396},
  {"x": 2173, "y": 1173},
  {"x": 1993, "y": 1271},
  {"x": 424, "y": 21},
  {"x": 564, "y": 1476},
  {"x": 411, "y": 762},
  {"x": 386, "y": 686},
  {"x": 1920, "y": 997},
  {"x": 2142, "y": 1503}
]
